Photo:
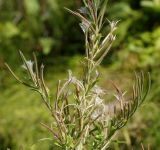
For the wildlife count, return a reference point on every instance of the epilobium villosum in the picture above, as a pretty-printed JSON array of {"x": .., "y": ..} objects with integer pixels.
[{"x": 82, "y": 118}]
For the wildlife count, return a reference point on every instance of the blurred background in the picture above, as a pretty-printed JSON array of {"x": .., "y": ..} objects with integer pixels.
[{"x": 43, "y": 26}]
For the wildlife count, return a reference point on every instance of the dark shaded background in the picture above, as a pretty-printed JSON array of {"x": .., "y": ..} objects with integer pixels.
[{"x": 43, "y": 26}]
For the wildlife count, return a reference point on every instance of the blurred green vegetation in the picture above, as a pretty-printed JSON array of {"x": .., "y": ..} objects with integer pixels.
[{"x": 45, "y": 27}]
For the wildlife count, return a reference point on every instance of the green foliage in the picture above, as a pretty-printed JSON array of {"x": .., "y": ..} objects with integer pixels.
[
  {"x": 144, "y": 50},
  {"x": 153, "y": 5},
  {"x": 15, "y": 129},
  {"x": 37, "y": 25}
]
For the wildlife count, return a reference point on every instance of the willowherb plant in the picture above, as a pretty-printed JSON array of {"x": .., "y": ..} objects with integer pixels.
[{"x": 82, "y": 119}]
